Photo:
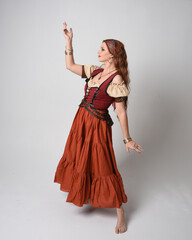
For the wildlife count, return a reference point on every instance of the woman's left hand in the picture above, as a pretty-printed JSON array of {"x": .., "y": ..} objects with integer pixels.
[{"x": 133, "y": 145}]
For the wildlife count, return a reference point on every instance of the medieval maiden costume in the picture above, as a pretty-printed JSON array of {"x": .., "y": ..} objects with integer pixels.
[{"x": 88, "y": 169}]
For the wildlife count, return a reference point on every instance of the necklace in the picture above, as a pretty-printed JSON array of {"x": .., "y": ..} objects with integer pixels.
[{"x": 105, "y": 74}]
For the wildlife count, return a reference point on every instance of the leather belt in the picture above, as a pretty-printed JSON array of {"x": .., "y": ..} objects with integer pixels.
[{"x": 103, "y": 115}]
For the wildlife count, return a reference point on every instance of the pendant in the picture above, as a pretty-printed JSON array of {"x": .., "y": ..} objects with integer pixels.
[{"x": 99, "y": 78}]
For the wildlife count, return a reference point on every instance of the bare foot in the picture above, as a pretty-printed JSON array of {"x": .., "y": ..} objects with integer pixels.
[{"x": 121, "y": 224}]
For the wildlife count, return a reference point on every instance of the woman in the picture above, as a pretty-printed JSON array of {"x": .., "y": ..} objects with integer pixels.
[{"x": 87, "y": 169}]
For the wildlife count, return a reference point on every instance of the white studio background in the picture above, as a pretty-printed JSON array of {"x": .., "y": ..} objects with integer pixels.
[{"x": 39, "y": 99}]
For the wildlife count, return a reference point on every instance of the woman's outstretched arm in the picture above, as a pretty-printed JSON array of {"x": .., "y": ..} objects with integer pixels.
[
  {"x": 69, "y": 59},
  {"x": 123, "y": 119}
]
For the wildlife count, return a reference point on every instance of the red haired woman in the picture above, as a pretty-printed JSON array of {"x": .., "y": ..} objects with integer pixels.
[{"x": 88, "y": 169}]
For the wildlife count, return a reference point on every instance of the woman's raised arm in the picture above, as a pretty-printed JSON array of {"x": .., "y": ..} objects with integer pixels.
[{"x": 69, "y": 60}]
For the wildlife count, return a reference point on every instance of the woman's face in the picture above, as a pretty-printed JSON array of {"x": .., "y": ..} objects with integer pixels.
[{"x": 104, "y": 54}]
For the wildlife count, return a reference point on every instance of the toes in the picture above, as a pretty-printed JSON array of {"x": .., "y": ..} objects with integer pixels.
[
  {"x": 116, "y": 230},
  {"x": 122, "y": 229}
]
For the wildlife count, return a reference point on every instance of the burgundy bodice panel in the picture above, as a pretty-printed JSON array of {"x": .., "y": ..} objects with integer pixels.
[{"x": 98, "y": 96}]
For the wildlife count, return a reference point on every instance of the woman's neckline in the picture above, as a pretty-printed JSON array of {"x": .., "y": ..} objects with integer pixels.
[{"x": 100, "y": 83}]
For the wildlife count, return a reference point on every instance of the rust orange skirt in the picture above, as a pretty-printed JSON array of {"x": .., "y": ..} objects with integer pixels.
[{"x": 88, "y": 169}]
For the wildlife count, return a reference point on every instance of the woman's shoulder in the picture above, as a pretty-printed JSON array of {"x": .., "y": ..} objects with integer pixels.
[
  {"x": 118, "y": 79},
  {"x": 117, "y": 87},
  {"x": 89, "y": 68}
]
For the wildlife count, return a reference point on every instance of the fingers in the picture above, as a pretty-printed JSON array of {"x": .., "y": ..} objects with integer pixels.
[
  {"x": 139, "y": 150},
  {"x": 65, "y": 31},
  {"x": 135, "y": 147},
  {"x": 139, "y": 147},
  {"x": 64, "y": 26}
]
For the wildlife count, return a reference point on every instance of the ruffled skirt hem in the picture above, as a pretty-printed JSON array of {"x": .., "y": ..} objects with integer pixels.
[{"x": 103, "y": 191}]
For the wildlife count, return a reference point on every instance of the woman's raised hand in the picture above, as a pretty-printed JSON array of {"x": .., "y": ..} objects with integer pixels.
[{"x": 67, "y": 34}]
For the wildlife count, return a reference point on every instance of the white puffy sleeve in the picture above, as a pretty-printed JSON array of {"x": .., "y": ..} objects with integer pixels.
[
  {"x": 118, "y": 90},
  {"x": 87, "y": 70}
]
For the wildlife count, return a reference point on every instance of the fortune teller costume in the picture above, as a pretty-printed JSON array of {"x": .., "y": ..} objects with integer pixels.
[{"x": 87, "y": 168}]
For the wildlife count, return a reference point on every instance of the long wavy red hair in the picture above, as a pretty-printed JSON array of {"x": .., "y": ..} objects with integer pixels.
[{"x": 120, "y": 61}]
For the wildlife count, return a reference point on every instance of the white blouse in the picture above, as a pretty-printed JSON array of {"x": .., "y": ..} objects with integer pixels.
[{"x": 114, "y": 89}]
